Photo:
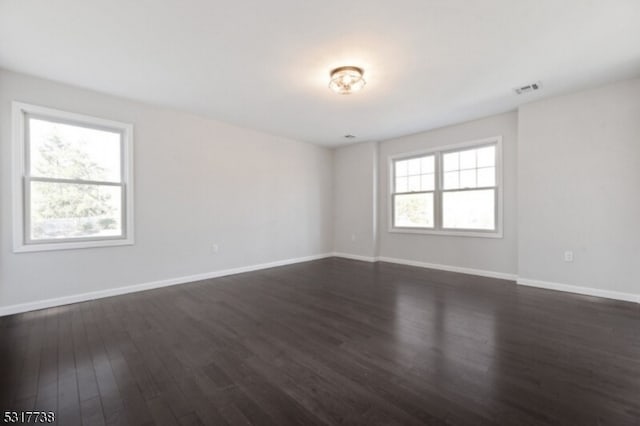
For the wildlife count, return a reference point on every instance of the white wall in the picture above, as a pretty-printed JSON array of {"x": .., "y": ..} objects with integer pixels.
[
  {"x": 486, "y": 254},
  {"x": 579, "y": 188},
  {"x": 574, "y": 160},
  {"x": 197, "y": 182},
  {"x": 571, "y": 182},
  {"x": 355, "y": 199}
]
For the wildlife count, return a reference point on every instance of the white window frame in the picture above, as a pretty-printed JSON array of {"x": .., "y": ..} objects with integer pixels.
[
  {"x": 21, "y": 241},
  {"x": 438, "y": 153}
]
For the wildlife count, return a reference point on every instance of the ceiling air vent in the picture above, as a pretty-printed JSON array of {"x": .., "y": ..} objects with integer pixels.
[{"x": 528, "y": 88}]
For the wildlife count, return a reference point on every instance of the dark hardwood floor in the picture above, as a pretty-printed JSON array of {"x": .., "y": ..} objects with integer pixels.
[{"x": 329, "y": 342}]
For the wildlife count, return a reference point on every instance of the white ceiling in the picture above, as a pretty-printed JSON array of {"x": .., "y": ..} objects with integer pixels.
[{"x": 265, "y": 64}]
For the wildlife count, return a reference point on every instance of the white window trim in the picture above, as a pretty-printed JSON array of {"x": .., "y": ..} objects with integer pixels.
[
  {"x": 498, "y": 233},
  {"x": 20, "y": 245}
]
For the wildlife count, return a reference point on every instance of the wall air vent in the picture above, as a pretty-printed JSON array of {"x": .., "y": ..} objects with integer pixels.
[{"x": 532, "y": 87}]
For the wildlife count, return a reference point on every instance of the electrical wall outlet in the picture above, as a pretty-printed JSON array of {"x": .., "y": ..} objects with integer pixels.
[
  {"x": 568, "y": 256},
  {"x": 353, "y": 237},
  {"x": 215, "y": 248}
]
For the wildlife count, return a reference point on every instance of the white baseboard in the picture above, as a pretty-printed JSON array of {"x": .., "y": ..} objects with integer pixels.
[
  {"x": 450, "y": 268},
  {"x": 59, "y": 301},
  {"x": 587, "y": 291},
  {"x": 355, "y": 257}
]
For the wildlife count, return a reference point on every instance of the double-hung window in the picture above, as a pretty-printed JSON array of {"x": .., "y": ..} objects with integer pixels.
[
  {"x": 452, "y": 190},
  {"x": 72, "y": 180},
  {"x": 414, "y": 192}
]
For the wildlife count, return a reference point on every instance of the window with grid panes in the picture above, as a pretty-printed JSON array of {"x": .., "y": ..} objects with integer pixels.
[{"x": 449, "y": 190}]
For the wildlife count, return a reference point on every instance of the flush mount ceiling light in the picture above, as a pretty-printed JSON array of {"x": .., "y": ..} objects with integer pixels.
[{"x": 346, "y": 80}]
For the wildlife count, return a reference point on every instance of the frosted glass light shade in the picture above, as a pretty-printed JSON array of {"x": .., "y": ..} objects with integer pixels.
[{"x": 346, "y": 80}]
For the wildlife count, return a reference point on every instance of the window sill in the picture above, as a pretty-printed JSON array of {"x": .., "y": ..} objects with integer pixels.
[
  {"x": 447, "y": 233},
  {"x": 72, "y": 245}
]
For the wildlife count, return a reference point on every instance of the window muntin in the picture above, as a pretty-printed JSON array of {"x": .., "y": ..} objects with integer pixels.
[
  {"x": 74, "y": 173},
  {"x": 468, "y": 189},
  {"x": 413, "y": 197},
  {"x": 465, "y": 193},
  {"x": 469, "y": 168}
]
